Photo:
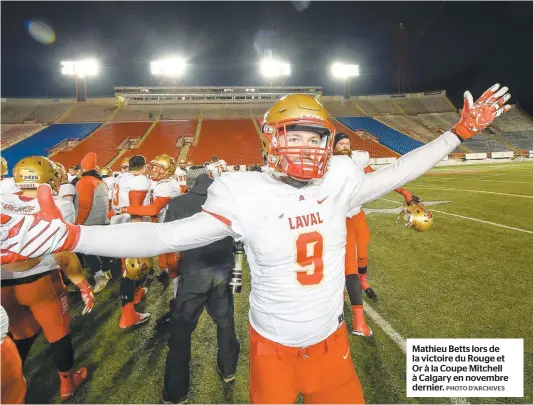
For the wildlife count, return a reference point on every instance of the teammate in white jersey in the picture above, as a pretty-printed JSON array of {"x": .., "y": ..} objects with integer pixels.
[
  {"x": 294, "y": 231},
  {"x": 216, "y": 167},
  {"x": 66, "y": 190},
  {"x": 110, "y": 180},
  {"x": 181, "y": 175},
  {"x": 7, "y": 184},
  {"x": 164, "y": 189},
  {"x": 33, "y": 292},
  {"x": 132, "y": 188}
]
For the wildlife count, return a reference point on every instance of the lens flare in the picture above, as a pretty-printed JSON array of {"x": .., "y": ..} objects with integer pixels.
[{"x": 41, "y": 32}]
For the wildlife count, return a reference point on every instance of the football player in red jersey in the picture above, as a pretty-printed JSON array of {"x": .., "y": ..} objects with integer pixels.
[{"x": 293, "y": 224}]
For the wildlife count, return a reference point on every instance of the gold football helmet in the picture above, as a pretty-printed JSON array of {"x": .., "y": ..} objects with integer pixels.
[
  {"x": 3, "y": 166},
  {"x": 137, "y": 268},
  {"x": 416, "y": 216},
  {"x": 125, "y": 165},
  {"x": 32, "y": 171},
  {"x": 162, "y": 167},
  {"x": 63, "y": 177},
  {"x": 106, "y": 171},
  {"x": 297, "y": 112}
]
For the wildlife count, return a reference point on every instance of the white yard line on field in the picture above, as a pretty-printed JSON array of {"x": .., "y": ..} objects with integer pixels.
[
  {"x": 474, "y": 219},
  {"x": 398, "y": 339},
  {"x": 477, "y": 179},
  {"x": 476, "y": 191}
]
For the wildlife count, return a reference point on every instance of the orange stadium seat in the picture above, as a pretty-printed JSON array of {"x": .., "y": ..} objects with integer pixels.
[
  {"x": 162, "y": 139},
  {"x": 103, "y": 142},
  {"x": 236, "y": 141}
]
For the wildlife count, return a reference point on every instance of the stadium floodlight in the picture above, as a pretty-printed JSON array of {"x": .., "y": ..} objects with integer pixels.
[
  {"x": 80, "y": 68},
  {"x": 344, "y": 71},
  {"x": 171, "y": 67},
  {"x": 272, "y": 68}
]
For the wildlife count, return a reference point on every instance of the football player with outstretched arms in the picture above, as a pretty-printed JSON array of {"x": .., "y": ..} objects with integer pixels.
[
  {"x": 33, "y": 292},
  {"x": 357, "y": 239},
  {"x": 293, "y": 225}
]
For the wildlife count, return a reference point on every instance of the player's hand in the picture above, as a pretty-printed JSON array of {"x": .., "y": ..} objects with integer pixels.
[
  {"x": 123, "y": 210},
  {"x": 479, "y": 115},
  {"x": 86, "y": 295},
  {"x": 110, "y": 214},
  {"x": 27, "y": 236}
]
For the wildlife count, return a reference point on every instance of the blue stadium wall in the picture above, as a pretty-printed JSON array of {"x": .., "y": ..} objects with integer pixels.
[
  {"x": 387, "y": 136},
  {"x": 37, "y": 144}
]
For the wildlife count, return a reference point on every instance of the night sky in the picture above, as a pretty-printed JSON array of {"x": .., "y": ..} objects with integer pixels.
[{"x": 453, "y": 46}]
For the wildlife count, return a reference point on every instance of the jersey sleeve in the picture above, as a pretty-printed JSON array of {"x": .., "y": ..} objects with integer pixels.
[
  {"x": 361, "y": 158},
  {"x": 140, "y": 183},
  {"x": 67, "y": 210},
  {"x": 166, "y": 189},
  {"x": 407, "y": 168},
  {"x": 67, "y": 190},
  {"x": 222, "y": 204}
]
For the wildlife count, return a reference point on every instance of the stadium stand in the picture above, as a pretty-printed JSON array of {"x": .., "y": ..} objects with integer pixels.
[
  {"x": 342, "y": 108},
  {"x": 513, "y": 121},
  {"x": 521, "y": 140},
  {"x": 89, "y": 113},
  {"x": 366, "y": 106},
  {"x": 375, "y": 149},
  {"x": 47, "y": 138},
  {"x": 49, "y": 113},
  {"x": 104, "y": 141},
  {"x": 387, "y": 136},
  {"x": 161, "y": 139},
  {"x": 411, "y": 106},
  {"x": 437, "y": 103},
  {"x": 17, "y": 114},
  {"x": 409, "y": 126},
  {"x": 235, "y": 141},
  {"x": 386, "y": 106},
  {"x": 14, "y": 133},
  {"x": 485, "y": 143},
  {"x": 137, "y": 113}
]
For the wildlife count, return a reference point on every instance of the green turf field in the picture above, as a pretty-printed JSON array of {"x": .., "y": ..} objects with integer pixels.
[{"x": 462, "y": 279}]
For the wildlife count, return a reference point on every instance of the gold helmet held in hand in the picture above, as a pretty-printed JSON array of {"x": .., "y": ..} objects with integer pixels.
[
  {"x": 416, "y": 216},
  {"x": 137, "y": 268}
]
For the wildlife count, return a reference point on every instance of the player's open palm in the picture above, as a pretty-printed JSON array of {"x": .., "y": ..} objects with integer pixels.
[
  {"x": 479, "y": 115},
  {"x": 26, "y": 236}
]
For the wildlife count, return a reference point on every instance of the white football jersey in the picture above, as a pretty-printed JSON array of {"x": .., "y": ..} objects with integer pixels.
[
  {"x": 167, "y": 188},
  {"x": 127, "y": 182},
  {"x": 181, "y": 176},
  {"x": 66, "y": 192},
  {"x": 295, "y": 245},
  {"x": 71, "y": 177},
  {"x": 14, "y": 205},
  {"x": 217, "y": 168},
  {"x": 361, "y": 158},
  {"x": 110, "y": 181},
  {"x": 8, "y": 186}
]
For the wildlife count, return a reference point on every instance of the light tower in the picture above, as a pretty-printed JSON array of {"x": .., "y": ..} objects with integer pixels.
[
  {"x": 401, "y": 74},
  {"x": 344, "y": 71},
  {"x": 170, "y": 69},
  {"x": 273, "y": 69},
  {"x": 80, "y": 70}
]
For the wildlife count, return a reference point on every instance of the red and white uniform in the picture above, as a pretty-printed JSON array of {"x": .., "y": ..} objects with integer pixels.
[
  {"x": 217, "y": 168},
  {"x": 8, "y": 186},
  {"x": 166, "y": 188},
  {"x": 67, "y": 192},
  {"x": 110, "y": 181},
  {"x": 130, "y": 183},
  {"x": 361, "y": 159},
  {"x": 181, "y": 176}
]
